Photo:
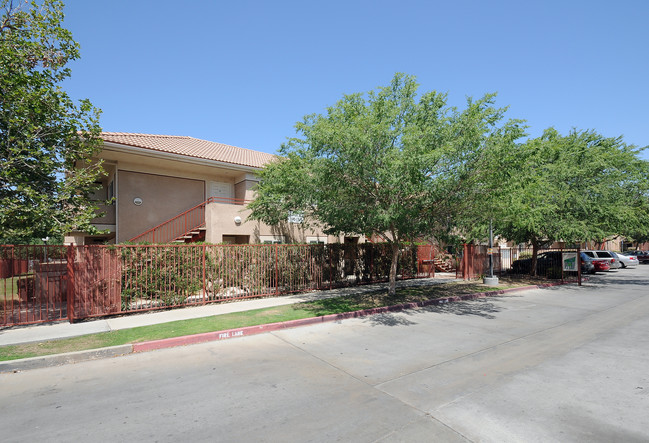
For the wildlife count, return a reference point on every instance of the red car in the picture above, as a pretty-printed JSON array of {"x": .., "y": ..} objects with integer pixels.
[
  {"x": 643, "y": 256},
  {"x": 601, "y": 265}
]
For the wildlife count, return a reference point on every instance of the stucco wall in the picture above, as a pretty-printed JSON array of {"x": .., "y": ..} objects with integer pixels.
[
  {"x": 101, "y": 195},
  {"x": 244, "y": 190},
  {"x": 220, "y": 221},
  {"x": 163, "y": 197}
]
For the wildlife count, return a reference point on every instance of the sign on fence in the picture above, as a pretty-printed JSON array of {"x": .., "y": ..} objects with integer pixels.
[{"x": 569, "y": 261}]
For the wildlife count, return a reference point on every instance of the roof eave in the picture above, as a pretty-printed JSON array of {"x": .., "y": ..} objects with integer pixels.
[{"x": 177, "y": 157}]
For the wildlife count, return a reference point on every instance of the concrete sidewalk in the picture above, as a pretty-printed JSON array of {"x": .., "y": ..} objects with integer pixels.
[{"x": 44, "y": 332}]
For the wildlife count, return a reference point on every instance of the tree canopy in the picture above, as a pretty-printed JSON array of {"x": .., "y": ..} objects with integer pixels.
[
  {"x": 386, "y": 164},
  {"x": 45, "y": 138},
  {"x": 573, "y": 188}
]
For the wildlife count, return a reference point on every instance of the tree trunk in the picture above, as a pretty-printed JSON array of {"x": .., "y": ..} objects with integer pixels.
[
  {"x": 392, "y": 286},
  {"x": 535, "y": 253}
]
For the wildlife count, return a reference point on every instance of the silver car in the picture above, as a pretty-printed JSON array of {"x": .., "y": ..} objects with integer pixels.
[
  {"x": 613, "y": 261},
  {"x": 626, "y": 260}
]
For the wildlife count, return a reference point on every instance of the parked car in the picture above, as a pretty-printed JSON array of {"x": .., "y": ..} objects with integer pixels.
[
  {"x": 626, "y": 260},
  {"x": 613, "y": 262},
  {"x": 587, "y": 266},
  {"x": 549, "y": 260},
  {"x": 642, "y": 256},
  {"x": 601, "y": 265}
]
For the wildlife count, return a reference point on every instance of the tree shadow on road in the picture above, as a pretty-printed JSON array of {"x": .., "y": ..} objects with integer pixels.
[
  {"x": 390, "y": 319},
  {"x": 481, "y": 307}
]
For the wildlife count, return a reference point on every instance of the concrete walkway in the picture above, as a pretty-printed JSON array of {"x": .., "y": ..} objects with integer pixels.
[{"x": 44, "y": 332}]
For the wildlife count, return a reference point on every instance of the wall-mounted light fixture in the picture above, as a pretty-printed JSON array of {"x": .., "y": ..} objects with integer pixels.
[
  {"x": 137, "y": 201},
  {"x": 237, "y": 220}
]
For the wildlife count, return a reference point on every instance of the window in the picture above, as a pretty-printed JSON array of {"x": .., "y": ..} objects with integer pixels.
[{"x": 272, "y": 239}]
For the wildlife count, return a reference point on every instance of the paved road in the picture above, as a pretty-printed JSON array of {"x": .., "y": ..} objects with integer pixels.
[{"x": 559, "y": 364}]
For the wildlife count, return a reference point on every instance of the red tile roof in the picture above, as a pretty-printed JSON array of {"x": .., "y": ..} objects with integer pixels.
[{"x": 191, "y": 147}]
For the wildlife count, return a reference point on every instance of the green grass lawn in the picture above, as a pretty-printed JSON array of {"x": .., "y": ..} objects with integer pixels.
[
  {"x": 295, "y": 311},
  {"x": 8, "y": 287},
  {"x": 9, "y": 290}
]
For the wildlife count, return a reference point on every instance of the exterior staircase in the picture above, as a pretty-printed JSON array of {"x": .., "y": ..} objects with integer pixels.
[
  {"x": 192, "y": 236},
  {"x": 187, "y": 227},
  {"x": 442, "y": 265}
]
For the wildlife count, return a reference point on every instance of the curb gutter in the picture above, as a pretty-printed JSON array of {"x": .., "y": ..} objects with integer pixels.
[
  {"x": 116, "y": 351},
  {"x": 47, "y": 361}
]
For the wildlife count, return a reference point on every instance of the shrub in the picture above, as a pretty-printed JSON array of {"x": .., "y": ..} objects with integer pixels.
[
  {"x": 554, "y": 272},
  {"x": 157, "y": 275}
]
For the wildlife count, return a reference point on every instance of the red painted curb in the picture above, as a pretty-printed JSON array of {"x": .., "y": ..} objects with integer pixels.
[{"x": 260, "y": 329}]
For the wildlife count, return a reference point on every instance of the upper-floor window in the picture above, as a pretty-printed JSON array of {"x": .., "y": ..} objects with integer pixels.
[{"x": 272, "y": 239}]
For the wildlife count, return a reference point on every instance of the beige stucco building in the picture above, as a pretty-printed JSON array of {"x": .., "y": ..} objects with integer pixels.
[{"x": 172, "y": 188}]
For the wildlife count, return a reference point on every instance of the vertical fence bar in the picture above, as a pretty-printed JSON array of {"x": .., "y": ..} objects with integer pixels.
[
  {"x": 431, "y": 257},
  {"x": 330, "y": 268},
  {"x": 276, "y": 269},
  {"x": 70, "y": 289},
  {"x": 11, "y": 274},
  {"x": 465, "y": 261},
  {"x": 372, "y": 277},
  {"x": 204, "y": 282},
  {"x": 561, "y": 256},
  {"x": 579, "y": 265}
]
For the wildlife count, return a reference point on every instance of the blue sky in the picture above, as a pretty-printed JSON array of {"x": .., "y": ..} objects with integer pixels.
[{"x": 243, "y": 72}]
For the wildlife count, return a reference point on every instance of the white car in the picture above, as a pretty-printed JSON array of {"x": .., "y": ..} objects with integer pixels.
[
  {"x": 608, "y": 256},
  {"x": 626, "y": 260}
]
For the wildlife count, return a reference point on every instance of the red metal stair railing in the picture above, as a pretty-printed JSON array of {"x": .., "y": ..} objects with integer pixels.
[{"x": 182, "y": 224}]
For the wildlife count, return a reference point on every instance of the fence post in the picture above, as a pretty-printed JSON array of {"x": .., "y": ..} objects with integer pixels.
[
  {"x": 276, "y": 269},
  {"x": 465, "y": 259},
  {"x": 204, "y": 282},
  {"x": 561, "y": 255},
  {"x": 70, "y": 288},
  {"x": 371, "y": 279},
  {"x": 579, "y": 265},
  {"x": 470, "y": 261},
  {"x": 431, "y": 257},
  {"x": 500, "y": 261},
  {"x": 330, "y": 270}
]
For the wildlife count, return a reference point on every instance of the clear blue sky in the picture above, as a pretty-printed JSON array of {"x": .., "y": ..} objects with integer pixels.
[{"x": 243, "y": 72}]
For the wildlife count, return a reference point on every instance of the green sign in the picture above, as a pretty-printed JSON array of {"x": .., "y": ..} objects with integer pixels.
[{"x": 569, "y": 260}]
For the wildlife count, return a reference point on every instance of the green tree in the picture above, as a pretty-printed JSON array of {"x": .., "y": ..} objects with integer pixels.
[
  {"x": 45, "y": 138},
  {"x": 383, "y": 164},
  {"x": 572, "y": 188}
]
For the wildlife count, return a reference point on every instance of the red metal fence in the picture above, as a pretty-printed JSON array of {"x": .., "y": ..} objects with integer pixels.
[
  {"x": 50, "y": 283},
  {"x": 474, "y": 262},
  {"x": 57, "y": 283},
  {"x": 32, "y": 284}
]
